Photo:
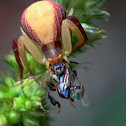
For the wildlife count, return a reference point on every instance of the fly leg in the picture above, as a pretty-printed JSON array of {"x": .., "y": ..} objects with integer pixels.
[
  {"x": 81, "y": 65},
  {"x": 74, "y": 62},
  {"x": 52, "y": 87},
  {"x": 79, "y": 92},
  {"x": 54, "y": 102},
  {"x": 71, "y": 102}
]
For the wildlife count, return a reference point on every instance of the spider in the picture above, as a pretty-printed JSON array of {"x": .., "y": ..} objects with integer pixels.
[{"x": 46, "y": 35}]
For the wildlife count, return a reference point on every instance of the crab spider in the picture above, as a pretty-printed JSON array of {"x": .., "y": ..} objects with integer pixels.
[{"x": 43, "y": 25}]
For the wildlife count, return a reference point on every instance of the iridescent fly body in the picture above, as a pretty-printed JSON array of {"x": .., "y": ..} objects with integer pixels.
[{"x": 66, "y": 84}]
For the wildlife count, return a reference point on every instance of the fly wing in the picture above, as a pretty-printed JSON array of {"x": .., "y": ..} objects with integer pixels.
[
  {"x": 78, "y": 91},
  {"x": 32, "y": 85}
]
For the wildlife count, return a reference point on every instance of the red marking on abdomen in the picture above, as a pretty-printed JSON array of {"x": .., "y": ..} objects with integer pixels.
[
  {"x": 60, "y": 15},
  {"x": 28, "y": 30}
]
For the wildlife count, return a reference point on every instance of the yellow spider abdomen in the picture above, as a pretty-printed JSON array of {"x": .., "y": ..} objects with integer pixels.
[{"x": 42, "y": 21}]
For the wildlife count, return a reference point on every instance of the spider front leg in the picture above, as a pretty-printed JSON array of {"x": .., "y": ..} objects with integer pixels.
[
  {"x": 19, "y": 49},
  {"x": 24, "y": 41},
  {"x": 69, "y": 25},
  {"x": 79, "y": 26},
  {"x": 15, "y": 49}
]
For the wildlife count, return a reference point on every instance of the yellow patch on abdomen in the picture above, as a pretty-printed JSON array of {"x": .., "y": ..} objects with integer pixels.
[{"x": 40, "y": 17}]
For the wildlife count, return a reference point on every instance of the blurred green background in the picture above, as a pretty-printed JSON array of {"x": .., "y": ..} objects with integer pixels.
[{"x": 104, "y": 78}]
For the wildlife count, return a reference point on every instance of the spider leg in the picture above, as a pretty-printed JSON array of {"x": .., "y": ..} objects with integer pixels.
[
  {"x": 32, "y": 49},
  {"x": 69, "y": 25},
  {"x": 79, "y": 43},
  {"x": 15, "y": 49},
  {"x": 19, "y": 47}
]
